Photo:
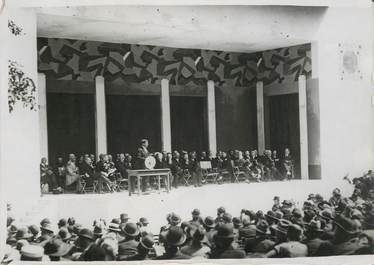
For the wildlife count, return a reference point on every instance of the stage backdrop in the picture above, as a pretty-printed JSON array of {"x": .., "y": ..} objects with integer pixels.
[{"x": 235, "y": 76}]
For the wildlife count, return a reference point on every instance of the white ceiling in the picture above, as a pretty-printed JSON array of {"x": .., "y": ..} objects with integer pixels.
[{"x": 228, "y": 28}]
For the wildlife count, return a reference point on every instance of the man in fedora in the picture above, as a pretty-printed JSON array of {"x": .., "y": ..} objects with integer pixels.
[
  {"x": 292, "y": 248},
  {"x": 46, "y": 231},
  {"x": 57, "y": 250},
  {"x": 85, "y": 241},
  {"x": 195, "y": 248},
  {"x": 280, "y": 230},
  {"x": 261, "y": 243},
  {"x": 129, "y": 246},
  {"x": 32, "y": 253},
  {"x": 313, "y": 239},
  {"x": 248, "y": 230},
  {"x": 223, "y": 244},
  {"x": 196, "y": 218},
  {"x": 124, "y": 217},
  {"x": 145, "y": 245},
  {"x": 174, "y": 239},
  {"x": 209, "y": 226}
]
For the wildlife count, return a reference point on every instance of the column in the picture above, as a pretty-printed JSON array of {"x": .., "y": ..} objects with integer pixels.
[
  {"x": 165, "y": 116},
  {"x": 42, "y": 93},
  {"x": 212, "y": 133},
  {"x": 260, "y": 118},
  {"x": 303, "y": 128},
  {"x": 100, "y": 117}
]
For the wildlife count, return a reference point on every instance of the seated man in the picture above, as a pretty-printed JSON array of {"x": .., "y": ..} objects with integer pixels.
[
  {"x": 103, "y": 172},
  {"x": 46, "y": 175},
  {"x": 87, "y": 170}
]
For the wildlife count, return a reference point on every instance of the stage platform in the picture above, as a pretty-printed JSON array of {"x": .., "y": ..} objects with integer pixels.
[{"x": 155, "y": 206}]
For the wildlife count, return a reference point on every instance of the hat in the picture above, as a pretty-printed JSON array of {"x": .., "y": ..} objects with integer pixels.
[
  {"x": 131, "y": 229},
  {"x": 324, "y": 205},
  {"x": 47, "y": 227},
  {"x": 319, "y": 197},
  {"x": 326, "y": 214},
  {"x": 311, "y": 196},
  {"x": 209, "y": 221},
  {"x": 12, "y": 229},
  {"x": 143, "y": 220},
  {"x": 32, "y": 251},
  {"x": 64, "y": 234},
  {"x": 262, "y": 227},
  {"x": 227, "y": 218},
  {"x": 114, "y": 227},
  {"x": 260, "y": 214},
  {"x": 175, "y": 236},
  {"x": 86, "y": 233},
  {"x": 175, "y": 219},
  {"x": 336, "y": 191},
  {"x": 221, "y": 209},
  {"x": 23, "y": 233},
  {"x": 315, "y": 225},
  {"x": 62, "y": 222},
  {"x": 147, "y": 242},
  {"x": 57, "y": 248},
  {"x": 276, "y": 198},
  {"x": 349, "y": 226},
  {"x": 71, "y": 221},
  {"x": 34, "y": 229},
  {"x": 77, "y": 228},
  {"x": 278, "y": 215},
  {"x": 236, "y": 220},
  {"x": 225, "y": 231},
  {"x": 287, "y": 203},
  {"x": 297, "y": 213},
  {"x": 45, "y": 221},
  {"x": 98, "y": 230},
  {"x": 196, "y": 212},
  {"x": 271, "y": 215},
  {"x": 124, "y": 216},
  {"x": 282, "y": 226},
  {"x": 116, "y": 221}
]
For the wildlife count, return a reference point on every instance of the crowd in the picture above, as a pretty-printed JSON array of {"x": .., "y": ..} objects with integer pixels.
[
  {"x": 252, "y": 166},
  {"x": 323, "y": 226}
]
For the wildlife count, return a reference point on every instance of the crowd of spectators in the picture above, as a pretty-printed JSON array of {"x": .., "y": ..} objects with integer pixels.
[
  {"x": 253, "y": 167},
  {"x": 323, "y": 226}
]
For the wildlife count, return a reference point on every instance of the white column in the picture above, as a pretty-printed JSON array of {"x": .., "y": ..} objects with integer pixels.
[
  {"x": 42, "y": 93},
  {"x": 303, "y": 128},
  {"x": 212, "y": 133},
  {"x": 260, "y": 117},
  {"x": 100, "y": 117},
  {"x": 165, "y": 116}
]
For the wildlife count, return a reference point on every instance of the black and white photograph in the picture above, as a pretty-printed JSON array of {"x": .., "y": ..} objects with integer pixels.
[{"x": 226, "y": 132}]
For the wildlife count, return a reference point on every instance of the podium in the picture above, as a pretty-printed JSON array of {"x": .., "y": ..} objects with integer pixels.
[{"x": 163, "y": 173}]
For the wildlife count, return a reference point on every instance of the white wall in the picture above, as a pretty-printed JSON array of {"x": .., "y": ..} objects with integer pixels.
[
  {"x": 346, "y": 114},
  {"x": 20, "y": 128}
]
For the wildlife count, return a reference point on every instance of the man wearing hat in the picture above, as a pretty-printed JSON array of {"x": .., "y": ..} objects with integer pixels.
[
  {"x": 280, "y": 230},
  {"x": 47, "y": 232},
  {"x": 174, "y": 239},
  {"x": 248, "y": 230},
  {"x": 34, "y": 230},
  {"x": 223, "y": 240},
  {"x": 56, "y": 249},
  {"x": 145, "y": 245},
  {"x": 143, "y": 226},
  {"x": 23, "y": 233},
  {"x": 292, "y": 248},
  {"x": 209, "y": 225},
  {"x": 196, "y": 218},
  {"x": 85, "y": 241},
  {"x": 313, "y": 239},
  {"x": 62, "y": 223},
  {"x": 261, "y": 243},
  {"x": 129, "y": 246},
  {"x": 195, "y": 248},
  {"x": 124, "y": 217},
  {"x": 220, "y": 212},
  {"x": 64, "y": 235},
  {"x": 276, "y": 203}
]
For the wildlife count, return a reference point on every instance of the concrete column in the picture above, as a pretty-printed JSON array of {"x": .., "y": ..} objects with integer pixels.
[
  {"x": 165, "y": 116},
  {"x": 212, "y": 133},
  {"x": 303, "y": 128},
  {"x": 42, "y": 93},
  {"x": 260, "y": 118},
  {"x": 100, "y": 117}
]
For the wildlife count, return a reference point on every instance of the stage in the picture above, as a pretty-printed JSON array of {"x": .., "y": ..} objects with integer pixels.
[{"x": 155, "y": 206}]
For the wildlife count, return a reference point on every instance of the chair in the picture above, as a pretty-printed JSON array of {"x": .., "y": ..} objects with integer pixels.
[
  {"x": 186, "y": 176},
  {"x": 237, "y": 173},
  {"x": 123, "y": 184},
  {"x": 208, "y": 173}
]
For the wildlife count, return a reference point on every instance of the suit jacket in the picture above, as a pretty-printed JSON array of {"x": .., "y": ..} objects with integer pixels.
[
  {"x": 71, "y": 173},
  {"x": 127, "y": 248}
]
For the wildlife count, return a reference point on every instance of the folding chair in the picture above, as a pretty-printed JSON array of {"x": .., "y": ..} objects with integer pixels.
[
  {"x": 123, "y": 184},
  {"x": 237, "y": 173},
  {"x": 186, "y": 176},
  {"x": 208, "y": 173},
  {"x": 90, "y": 188}
]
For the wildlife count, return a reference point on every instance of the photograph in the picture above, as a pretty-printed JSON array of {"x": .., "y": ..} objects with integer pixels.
[{"x": 224, "y": 132}]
